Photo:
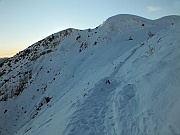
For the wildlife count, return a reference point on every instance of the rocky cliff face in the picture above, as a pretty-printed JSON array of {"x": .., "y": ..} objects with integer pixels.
[{"x": 121, "y": 77}]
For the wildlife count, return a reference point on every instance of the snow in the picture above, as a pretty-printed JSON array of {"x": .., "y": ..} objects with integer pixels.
[{"x": 98, "y": 81}]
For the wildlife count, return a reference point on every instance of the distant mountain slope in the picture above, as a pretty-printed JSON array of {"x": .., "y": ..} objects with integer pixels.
[
  {"x": 120, "y": 78},
  {"x": 2, "y": 60}
]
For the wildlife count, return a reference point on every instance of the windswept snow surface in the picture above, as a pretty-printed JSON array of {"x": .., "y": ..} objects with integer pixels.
[{"x": 121, "y": 78}]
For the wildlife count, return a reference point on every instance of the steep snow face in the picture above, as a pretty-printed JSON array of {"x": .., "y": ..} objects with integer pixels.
[{"x": 120, "y": 78}]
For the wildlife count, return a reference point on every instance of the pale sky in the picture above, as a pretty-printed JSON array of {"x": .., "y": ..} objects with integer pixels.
[{"x": 24, "y": 22}]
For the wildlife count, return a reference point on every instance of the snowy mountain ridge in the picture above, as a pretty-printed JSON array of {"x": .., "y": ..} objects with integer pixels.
[{"x": 121, "y": 77}]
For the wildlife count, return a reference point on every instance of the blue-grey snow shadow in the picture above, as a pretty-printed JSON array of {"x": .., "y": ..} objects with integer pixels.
[{"x": 89, "y": 118}]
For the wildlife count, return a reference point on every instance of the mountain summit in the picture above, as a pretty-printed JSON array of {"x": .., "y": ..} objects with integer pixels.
[{"x": 120, "y": 78}]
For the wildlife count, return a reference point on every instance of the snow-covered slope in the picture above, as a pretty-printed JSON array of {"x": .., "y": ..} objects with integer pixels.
[{"x": 121, "y": 78}]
